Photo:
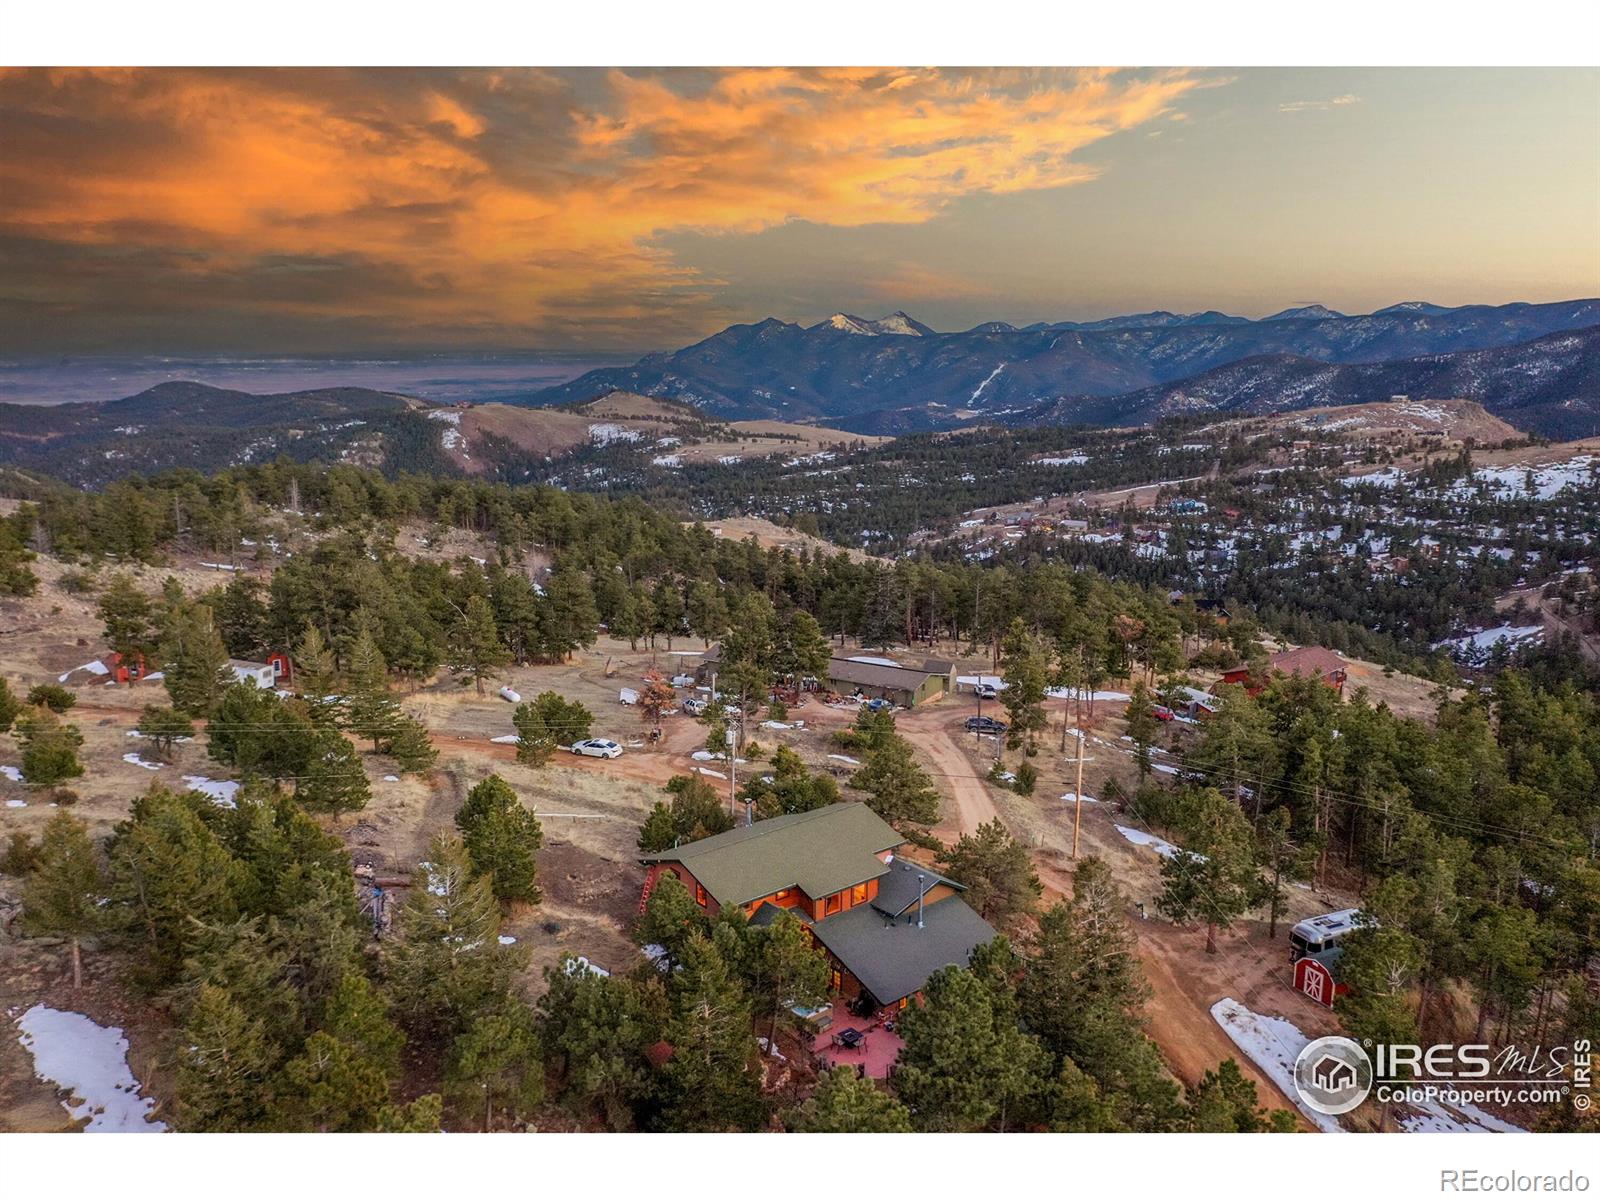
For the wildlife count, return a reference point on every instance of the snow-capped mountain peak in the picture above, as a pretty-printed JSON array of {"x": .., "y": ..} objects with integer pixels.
[{"x": 894, "y": 323}]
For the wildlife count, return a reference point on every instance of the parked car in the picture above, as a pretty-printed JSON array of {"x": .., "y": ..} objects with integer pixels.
[
  {"x": 988, "y": 691},
  {"x": 694, "y": 706},
  {"x": 1162, "y": 712},
  {"x": 879, "y": 704},
  {"x": 985, "y": 725},
  {"x": 597, "y": 748}
]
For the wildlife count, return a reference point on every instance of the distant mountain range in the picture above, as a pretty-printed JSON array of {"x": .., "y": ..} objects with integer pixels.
[
  {"x": 896, "y": 374},
  {"x": 192, "y": 425},
  {"x": 1550, "y": 385},
  {"x": 1535, "y": 366}
]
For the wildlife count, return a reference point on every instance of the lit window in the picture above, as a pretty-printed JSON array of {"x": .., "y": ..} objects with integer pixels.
[{"x": 699, "y": 895}]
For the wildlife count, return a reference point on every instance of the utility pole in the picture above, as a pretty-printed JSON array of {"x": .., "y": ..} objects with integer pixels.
[{"x": 1077, "y": 796}]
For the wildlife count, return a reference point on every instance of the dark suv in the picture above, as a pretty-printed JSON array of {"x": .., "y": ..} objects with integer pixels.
[{"x": 985, "y": 725}]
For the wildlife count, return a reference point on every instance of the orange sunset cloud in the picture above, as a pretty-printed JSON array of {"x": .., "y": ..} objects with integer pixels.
[{"x": 495, "y": 206}]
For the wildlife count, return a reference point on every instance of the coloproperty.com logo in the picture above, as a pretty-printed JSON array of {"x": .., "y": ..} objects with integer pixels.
[{"x": 1335, "y": 1074}]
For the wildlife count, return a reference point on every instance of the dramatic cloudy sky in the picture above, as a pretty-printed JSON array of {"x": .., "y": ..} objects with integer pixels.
[{"x": 339, "y": 210}]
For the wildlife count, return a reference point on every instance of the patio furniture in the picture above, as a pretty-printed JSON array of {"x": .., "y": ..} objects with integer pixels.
[{"x": 850, "y": 1039}]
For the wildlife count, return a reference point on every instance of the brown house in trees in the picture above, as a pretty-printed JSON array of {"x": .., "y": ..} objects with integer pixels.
[
  {"x": 1308, "y": 662},
  {"x": 886, "y": 924}
]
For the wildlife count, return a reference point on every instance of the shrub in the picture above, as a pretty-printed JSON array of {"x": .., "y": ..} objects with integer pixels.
[{"x": 52, "y": 696}]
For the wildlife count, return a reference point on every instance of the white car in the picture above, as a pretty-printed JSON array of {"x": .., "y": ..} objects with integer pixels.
[{"x": 597, "y": 748}]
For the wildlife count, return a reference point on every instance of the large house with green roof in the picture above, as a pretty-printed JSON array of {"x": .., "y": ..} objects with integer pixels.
[{"x": 885, "y": 923}]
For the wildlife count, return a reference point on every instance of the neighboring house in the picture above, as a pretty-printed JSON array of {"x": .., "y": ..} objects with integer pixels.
[
  {"x": 1308, "y": 662},
  {"x": 128, "y": 669},
  {"x": 257, "y": 673},
  {"x": 1195, "y": 704},
  {"x": 282, "y": 666},
  {"x": 885, "y": 924},
  {"x": 869, "y": 676}
]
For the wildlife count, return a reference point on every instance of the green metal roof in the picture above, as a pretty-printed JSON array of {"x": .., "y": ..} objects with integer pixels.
[
  {"x": 894, "y": 957},
  {"x": 821, "y": 852}
]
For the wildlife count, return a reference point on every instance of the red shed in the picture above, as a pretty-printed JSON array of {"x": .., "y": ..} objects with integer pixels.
[{"x": 1317, "y": 981}]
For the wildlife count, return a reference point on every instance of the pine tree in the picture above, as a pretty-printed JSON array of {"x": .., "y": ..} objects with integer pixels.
[
  {"x": 61, "y": 898},
  {"x": 789, "y": 788},
  {"x": 332, "y": 780},
  {"x": 898, "y": 790},
  {"x": 194, "y": 661},
  {"x": 49, "y": 748},
  {"x": 659, "y": 831},
  {"x": 1225, "y": 1102},
  {"x": 790, "y": 971},
  {"x": 1027, "y": 677},
  {"x": 496, "y": 1063},
  {"x": 964, "y": 1063},
  {"x": 843, "y": 1102},
  {"x": 711, "y": 1081},
  {"x": 1217, "y": 880},
  {"x": 670, "y": 919},
  {"x": 254, "y": 731},
  {"x": 10, "y": 707},
  {"x": 371, "y": 712},
  {"x": 547, "y": 721},
  {"x": 596, "y": 1030},
  {"x": 162, "y": 727},
  {"x": 411, "y": 747},
  {"x": 476, "y": 650},
  {"x": 1001, "y": 883},
  {"x": 502, "y": 838},
  {"x": 357, "y": 1015},
  {"x": 315, "y": 675},
  {"x": 446, "y": 963},
  {"x": 1142, "y": 726},
  {"x": 225, "y": 1060},
  {"x": 573, "y": 617},
  {"x": 166, "y": 867},
  {"x": 330, "y": 1087},
  {"x": 129, "y": 620}
]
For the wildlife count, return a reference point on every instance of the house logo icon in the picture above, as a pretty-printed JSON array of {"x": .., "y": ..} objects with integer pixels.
[{"x": 1333, "y": 1075}]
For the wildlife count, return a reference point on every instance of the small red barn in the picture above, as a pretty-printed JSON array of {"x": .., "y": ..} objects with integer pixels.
[
  {"x": 282, "y": 667},
  {"x": 1316, "y": 981}
]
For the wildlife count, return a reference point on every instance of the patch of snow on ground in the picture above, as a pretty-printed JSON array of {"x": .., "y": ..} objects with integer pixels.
[
  {"x": 846, "y": 759},
  {"x": 12, "y": 774},
  {"x": 507, "y": 940},
  {"x": 1072, "y": 797},
  {"x": 506, "y": 739},
  {"x": 1273, "y": 1044},
  {"x": 135, "y": 760},
  {"x": 1477, "y": 646},
  {"x": 94, "y": 668},
  {"x": 1160, "y": 845},
  {"x": 710, "y": 772},
  {"x": 605, "y": 434},
  {"x": 872, "y": 661},
  {"x": 219, "y": 791},
  {"x": 91, "y": 1062},
  {"x": 16, "y": 804}
]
